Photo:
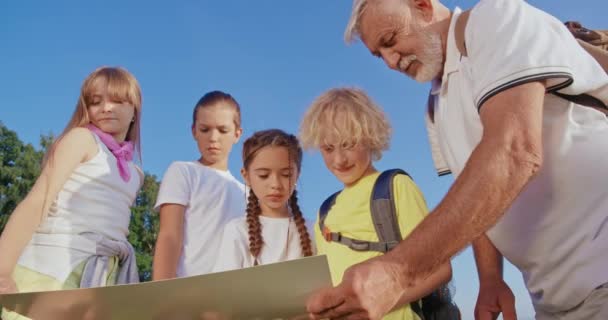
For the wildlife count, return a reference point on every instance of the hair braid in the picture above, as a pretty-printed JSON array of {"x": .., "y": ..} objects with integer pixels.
[
  {"x": 253, "y": 225},
  {"x": 300, "y": 224}
]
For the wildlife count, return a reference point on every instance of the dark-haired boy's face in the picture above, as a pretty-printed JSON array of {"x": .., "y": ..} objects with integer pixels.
[
  {"x": 215, "y": 133},
  {"x": 348, "y": 162}
]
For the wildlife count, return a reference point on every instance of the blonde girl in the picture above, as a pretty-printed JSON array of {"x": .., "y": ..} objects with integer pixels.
[{"x": 70, "y": 231}]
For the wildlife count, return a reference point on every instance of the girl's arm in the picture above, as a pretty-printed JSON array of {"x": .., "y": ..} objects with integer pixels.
[
  {"x": 77, "y": 146},
  {"x": 170, "y": 241}
]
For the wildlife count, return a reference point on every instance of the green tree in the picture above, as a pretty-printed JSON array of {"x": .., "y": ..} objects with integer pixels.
[
  {"x": 143, "y": 229},
  {"x": 19, "y": 169}
]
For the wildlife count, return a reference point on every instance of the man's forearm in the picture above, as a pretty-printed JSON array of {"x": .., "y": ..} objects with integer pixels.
[
  {"x": 491, "y": 180},
  {"x": 488, "y": 259}
]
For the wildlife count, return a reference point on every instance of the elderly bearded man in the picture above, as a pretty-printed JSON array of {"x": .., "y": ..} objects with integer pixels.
[{"x": 509, "y": 115}]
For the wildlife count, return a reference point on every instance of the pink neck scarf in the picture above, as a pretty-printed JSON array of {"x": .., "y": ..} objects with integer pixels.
[{"x": 122, "y": 151}]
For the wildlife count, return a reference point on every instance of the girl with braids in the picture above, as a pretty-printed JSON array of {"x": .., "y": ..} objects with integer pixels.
[{"x": 273, "y": 229}]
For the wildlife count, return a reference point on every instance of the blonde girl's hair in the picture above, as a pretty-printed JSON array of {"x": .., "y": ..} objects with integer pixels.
[{"x": 121, "y": 86}]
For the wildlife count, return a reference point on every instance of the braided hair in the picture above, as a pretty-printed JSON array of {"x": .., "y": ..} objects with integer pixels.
[{"x": 259, "y": 140}]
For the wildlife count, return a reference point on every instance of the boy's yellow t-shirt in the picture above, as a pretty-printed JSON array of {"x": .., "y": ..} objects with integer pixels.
[{"x": 352, "y": 217}]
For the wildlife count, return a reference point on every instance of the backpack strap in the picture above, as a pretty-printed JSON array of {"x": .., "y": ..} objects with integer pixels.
[
  {"x": 459, "y": 27},
  {"x": 384, "y": 217},
  {"x": 596, "y": 52},
  {"x": 323, "y": 211},
  {"x": 383, "y": 209},
  {"x": 600, "y": 55}
]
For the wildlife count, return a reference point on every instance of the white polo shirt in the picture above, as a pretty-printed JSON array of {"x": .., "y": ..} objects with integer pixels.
[
  {"x": 212, "y": 198},
  {"x": 556, "y": 231}
]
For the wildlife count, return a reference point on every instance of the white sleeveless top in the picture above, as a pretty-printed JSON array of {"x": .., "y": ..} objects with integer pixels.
[{"x": 93, "y": 199}]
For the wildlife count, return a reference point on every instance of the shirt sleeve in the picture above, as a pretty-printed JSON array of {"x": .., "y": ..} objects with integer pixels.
[
  {"x": 509, "y": 43},
  {"x": 232, "y": 249},
  {"x": 175, "y": 187},
  {"x": 410, "y": 204}
]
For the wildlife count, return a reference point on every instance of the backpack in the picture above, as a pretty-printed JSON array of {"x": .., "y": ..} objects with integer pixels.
[
  {"x": 436, "y": 306},
  {"x": 599, "y": 54},
  {"x": 597, "y": 38}
]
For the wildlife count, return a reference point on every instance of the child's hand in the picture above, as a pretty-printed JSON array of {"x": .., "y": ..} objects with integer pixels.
[{"x": 7, "y": 285}]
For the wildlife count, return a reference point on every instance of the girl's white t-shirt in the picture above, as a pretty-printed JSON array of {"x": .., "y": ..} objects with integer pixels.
[
  {"x": 212, "y": 198},
  {"x": 281, "y": 243}
]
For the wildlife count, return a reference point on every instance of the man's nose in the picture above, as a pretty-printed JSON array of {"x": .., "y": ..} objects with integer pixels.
[{"x": 391, "y": 58}]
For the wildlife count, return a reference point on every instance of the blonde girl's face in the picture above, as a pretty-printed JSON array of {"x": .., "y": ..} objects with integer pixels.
[
  {"x": 272, "y": 176},
  {"x": 215, "y": 133},
  {"x": 110, "y": 115}
]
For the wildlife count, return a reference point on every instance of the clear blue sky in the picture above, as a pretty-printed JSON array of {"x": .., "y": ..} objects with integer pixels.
[{"x": 273, "y": 56}]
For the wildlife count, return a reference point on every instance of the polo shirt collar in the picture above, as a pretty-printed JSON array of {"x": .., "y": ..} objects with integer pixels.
[{"x": 452, "y": 55}]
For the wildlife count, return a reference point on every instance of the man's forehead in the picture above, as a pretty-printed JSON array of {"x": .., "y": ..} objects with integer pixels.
[{"x": 379, "y": 18}]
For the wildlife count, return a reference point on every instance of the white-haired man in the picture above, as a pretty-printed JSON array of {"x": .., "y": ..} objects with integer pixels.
[{"x": 508, "y": 111}]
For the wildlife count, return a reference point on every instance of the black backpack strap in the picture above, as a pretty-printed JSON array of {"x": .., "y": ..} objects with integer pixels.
[
  {"x": 354, "y": 244},
  {"x": 584, "y": 100},
  {"x": 324, "y": 210},
  {"x": 383, "y": 209},
  {"x": 384, "y": 217},
  {"x": 415, "y": 305},
  {"x": 600, "y": 55}
]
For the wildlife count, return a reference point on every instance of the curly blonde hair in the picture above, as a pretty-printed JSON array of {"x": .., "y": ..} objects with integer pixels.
[{"x": 348, "y": 116}]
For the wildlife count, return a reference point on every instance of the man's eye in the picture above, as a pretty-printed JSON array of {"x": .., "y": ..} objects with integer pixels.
[
  {"x": 263, "y": 176},
  {"x": 204, "y": 130},
  {"x": 389, "y": 41}
]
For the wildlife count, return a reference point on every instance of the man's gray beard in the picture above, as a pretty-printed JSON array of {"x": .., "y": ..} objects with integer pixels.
[{"x": 431, "y": 58}]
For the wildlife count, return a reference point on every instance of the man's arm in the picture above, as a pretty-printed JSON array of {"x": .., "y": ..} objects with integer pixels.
[
  {"x": 506, "y": 159},
  {"x": 495, "y": 296},
  {"x": 488, "y": 260}
]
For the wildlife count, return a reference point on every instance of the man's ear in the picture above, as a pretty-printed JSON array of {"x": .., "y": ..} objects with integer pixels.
[{"x": 423, "y": 9}]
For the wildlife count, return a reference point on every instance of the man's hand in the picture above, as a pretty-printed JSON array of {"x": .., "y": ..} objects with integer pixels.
[
  {"x": 369, "y": 290},
  {"x": 495, "y": 297},
  {"x": 7, "y": 285}
]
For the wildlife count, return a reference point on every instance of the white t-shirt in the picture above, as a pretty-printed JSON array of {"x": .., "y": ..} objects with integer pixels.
[
  {"x": 211, "y": 197},
  {"x": 281, "y": 243},
  {"x": 556, "y": 231}
]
